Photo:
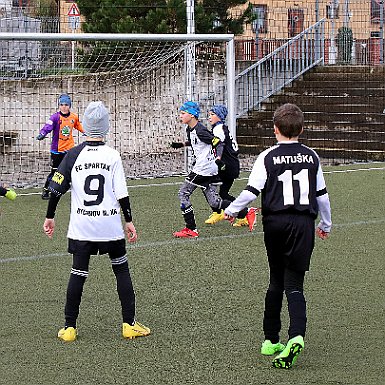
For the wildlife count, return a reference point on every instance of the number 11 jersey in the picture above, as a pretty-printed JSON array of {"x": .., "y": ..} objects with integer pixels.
[{"x": 290, "y": 177}]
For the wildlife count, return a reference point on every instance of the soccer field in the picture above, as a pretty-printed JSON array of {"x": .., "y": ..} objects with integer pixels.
[{"x": 202, "y": 298}]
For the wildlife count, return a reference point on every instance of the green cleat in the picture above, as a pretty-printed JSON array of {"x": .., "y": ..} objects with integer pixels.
[
  {"x": 287, "y": 358},
  {"x": 67, "y": 334},
  {"x": 268, "y": 348}
]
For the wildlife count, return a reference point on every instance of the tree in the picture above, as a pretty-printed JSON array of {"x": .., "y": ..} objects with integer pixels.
[{"x": 162, "y": 16}]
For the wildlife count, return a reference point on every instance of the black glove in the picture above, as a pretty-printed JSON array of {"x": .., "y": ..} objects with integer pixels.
[
  {"x": 40, "y": 137},
  {"x": 177, "y": 145},
  {"x": 221, "y": 165}
]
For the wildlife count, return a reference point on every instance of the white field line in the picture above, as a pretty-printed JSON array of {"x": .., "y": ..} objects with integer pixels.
[
  {"x": 178, "y": 183},
  {"x": 200, "y": 239},
  {"x": 173, "y": 241}
]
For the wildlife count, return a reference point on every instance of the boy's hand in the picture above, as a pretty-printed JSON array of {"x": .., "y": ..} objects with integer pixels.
[
  {"x": 40, "y": 137},
  {"x": 322, "y": 234},
  {"x": 229, "y": 218},
  {"x": 49, "y": 227},
  {"x": 130, "y": 230}
]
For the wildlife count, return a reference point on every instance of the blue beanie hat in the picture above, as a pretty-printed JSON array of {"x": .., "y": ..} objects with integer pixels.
[
  {"x": 64, "y": 99},
  {"x": 220, "y": 110},
  {"x": 191, "y": 108}
]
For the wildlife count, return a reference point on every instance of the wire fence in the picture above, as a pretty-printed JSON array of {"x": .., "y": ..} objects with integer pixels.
[{"x": 352, "y": 37}]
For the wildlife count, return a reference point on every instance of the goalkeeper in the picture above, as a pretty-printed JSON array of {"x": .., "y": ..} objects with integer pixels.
[
  {"x": 61, "y": 124},
  {"x": 207, "y": 150}
]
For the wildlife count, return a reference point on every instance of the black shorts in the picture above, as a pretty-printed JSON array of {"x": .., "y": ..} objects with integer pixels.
[
  {"x": 57, "y": 158},
  {"x": 115, "y": 249},
  {"x": 289, "y": 240},
  {"x": 200, "y": 180}
]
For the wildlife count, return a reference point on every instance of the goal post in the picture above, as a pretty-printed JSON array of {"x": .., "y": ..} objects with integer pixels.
[{"x": 142, "y": 79}]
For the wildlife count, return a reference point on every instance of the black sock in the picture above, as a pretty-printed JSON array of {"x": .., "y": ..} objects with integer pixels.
[
  {"x": 189, "y": 217},
  {"x": 296, "y": 304},
  {"x": 74, "y": 297},
  {"x": 272, "y": 315},
  {"x": 125, "y": 291}
]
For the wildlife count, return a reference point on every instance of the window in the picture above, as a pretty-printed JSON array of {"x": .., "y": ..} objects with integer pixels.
[
  {"x": 332, "y": 10},
  {"x": 295, "y": 21},
  {"x": 20, "y": 3},
  {"x": 375, "y": 10},
  {"x": 260, "y": 23}
]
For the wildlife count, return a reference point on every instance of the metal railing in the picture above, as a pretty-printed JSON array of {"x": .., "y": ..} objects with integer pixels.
[{"x": 278, "y": 69}]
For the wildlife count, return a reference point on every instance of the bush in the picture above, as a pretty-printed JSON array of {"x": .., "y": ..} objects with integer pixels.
[{"x": 344, "y": 44}]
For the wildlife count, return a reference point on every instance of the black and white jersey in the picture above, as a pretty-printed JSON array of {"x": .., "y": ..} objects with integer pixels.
[
  {"x": 230, "y": 151},
  {"x": 290, "y": 178},
  {"x": 202, "y": 141},
  {"x": 95, "y": 174}
]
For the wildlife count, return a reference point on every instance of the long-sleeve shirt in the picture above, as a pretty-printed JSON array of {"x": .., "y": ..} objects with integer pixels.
[
  {"x": 205, "y": 148},
  {"x": 61, "y": 127}
]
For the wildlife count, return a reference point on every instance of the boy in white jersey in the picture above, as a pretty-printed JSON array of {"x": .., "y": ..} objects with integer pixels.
[
  {"x": 95, "y": 174},
  {"x": 290, "y": 180},
  {"x": 207, "y": 150}
]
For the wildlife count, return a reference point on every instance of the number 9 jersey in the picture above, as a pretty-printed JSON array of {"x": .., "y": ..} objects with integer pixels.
[{"x": 95, "y": 174}]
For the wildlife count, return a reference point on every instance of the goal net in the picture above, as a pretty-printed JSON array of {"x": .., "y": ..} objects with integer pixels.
[{"x": 142, "y": 79}]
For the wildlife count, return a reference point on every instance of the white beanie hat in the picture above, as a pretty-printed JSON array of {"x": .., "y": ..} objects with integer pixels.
[{"x": 96, "y": 122}]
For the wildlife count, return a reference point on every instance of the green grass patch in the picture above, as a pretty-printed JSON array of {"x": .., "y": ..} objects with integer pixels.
[{"x": 203, "y": 298}]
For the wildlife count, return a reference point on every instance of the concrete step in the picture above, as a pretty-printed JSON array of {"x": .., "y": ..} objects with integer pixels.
[
  {"x": 349, "y": 77},
  {"x": 318, "y": 90},
  {"x": 373, "y": 103},
  {"x": 320, "y": 131},
  {"x": 326, "y": 152},
  {"x": 335, "y": 69},
  {"x": 343, "y": 110},
  {"x": 266, "y": 117},
  {"x": 318, "y": 104},
  {"x": 333, "y": 84},
  {"x": 359, "y": 143}
]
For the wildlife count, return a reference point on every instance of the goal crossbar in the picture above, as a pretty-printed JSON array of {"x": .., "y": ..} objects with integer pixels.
[{"x": 30, "y": 36}]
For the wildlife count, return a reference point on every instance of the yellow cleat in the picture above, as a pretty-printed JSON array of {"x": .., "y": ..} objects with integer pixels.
[
  {"x": 240, "y": 222},
  {"x": 67, "y": 335},
  {"x": 136, "y": 330},
  {"x": 215, "y": 218}
]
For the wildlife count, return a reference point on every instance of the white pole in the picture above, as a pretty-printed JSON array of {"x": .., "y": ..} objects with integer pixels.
[
  {"x": 73, "y": 54},
  {"x": 190, "y": 67},
  {"x": 190, "y": 51},
  {"x": 230, "y": 63}
]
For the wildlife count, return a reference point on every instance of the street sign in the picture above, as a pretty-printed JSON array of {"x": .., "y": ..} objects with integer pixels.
[
  {"x": 74, "y": 22},
  {"x": 74, "y": 10}
]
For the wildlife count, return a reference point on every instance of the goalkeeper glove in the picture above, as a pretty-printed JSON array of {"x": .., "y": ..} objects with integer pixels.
[
  {"x": 40, "y": 137},
  {"x": 11, "y": 195},
  {"x": 177, "y": 145},
  {"x": 221, "y": 165}
]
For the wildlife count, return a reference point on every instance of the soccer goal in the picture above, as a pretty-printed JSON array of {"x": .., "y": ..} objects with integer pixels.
[{"x": 142, "y": 78}]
